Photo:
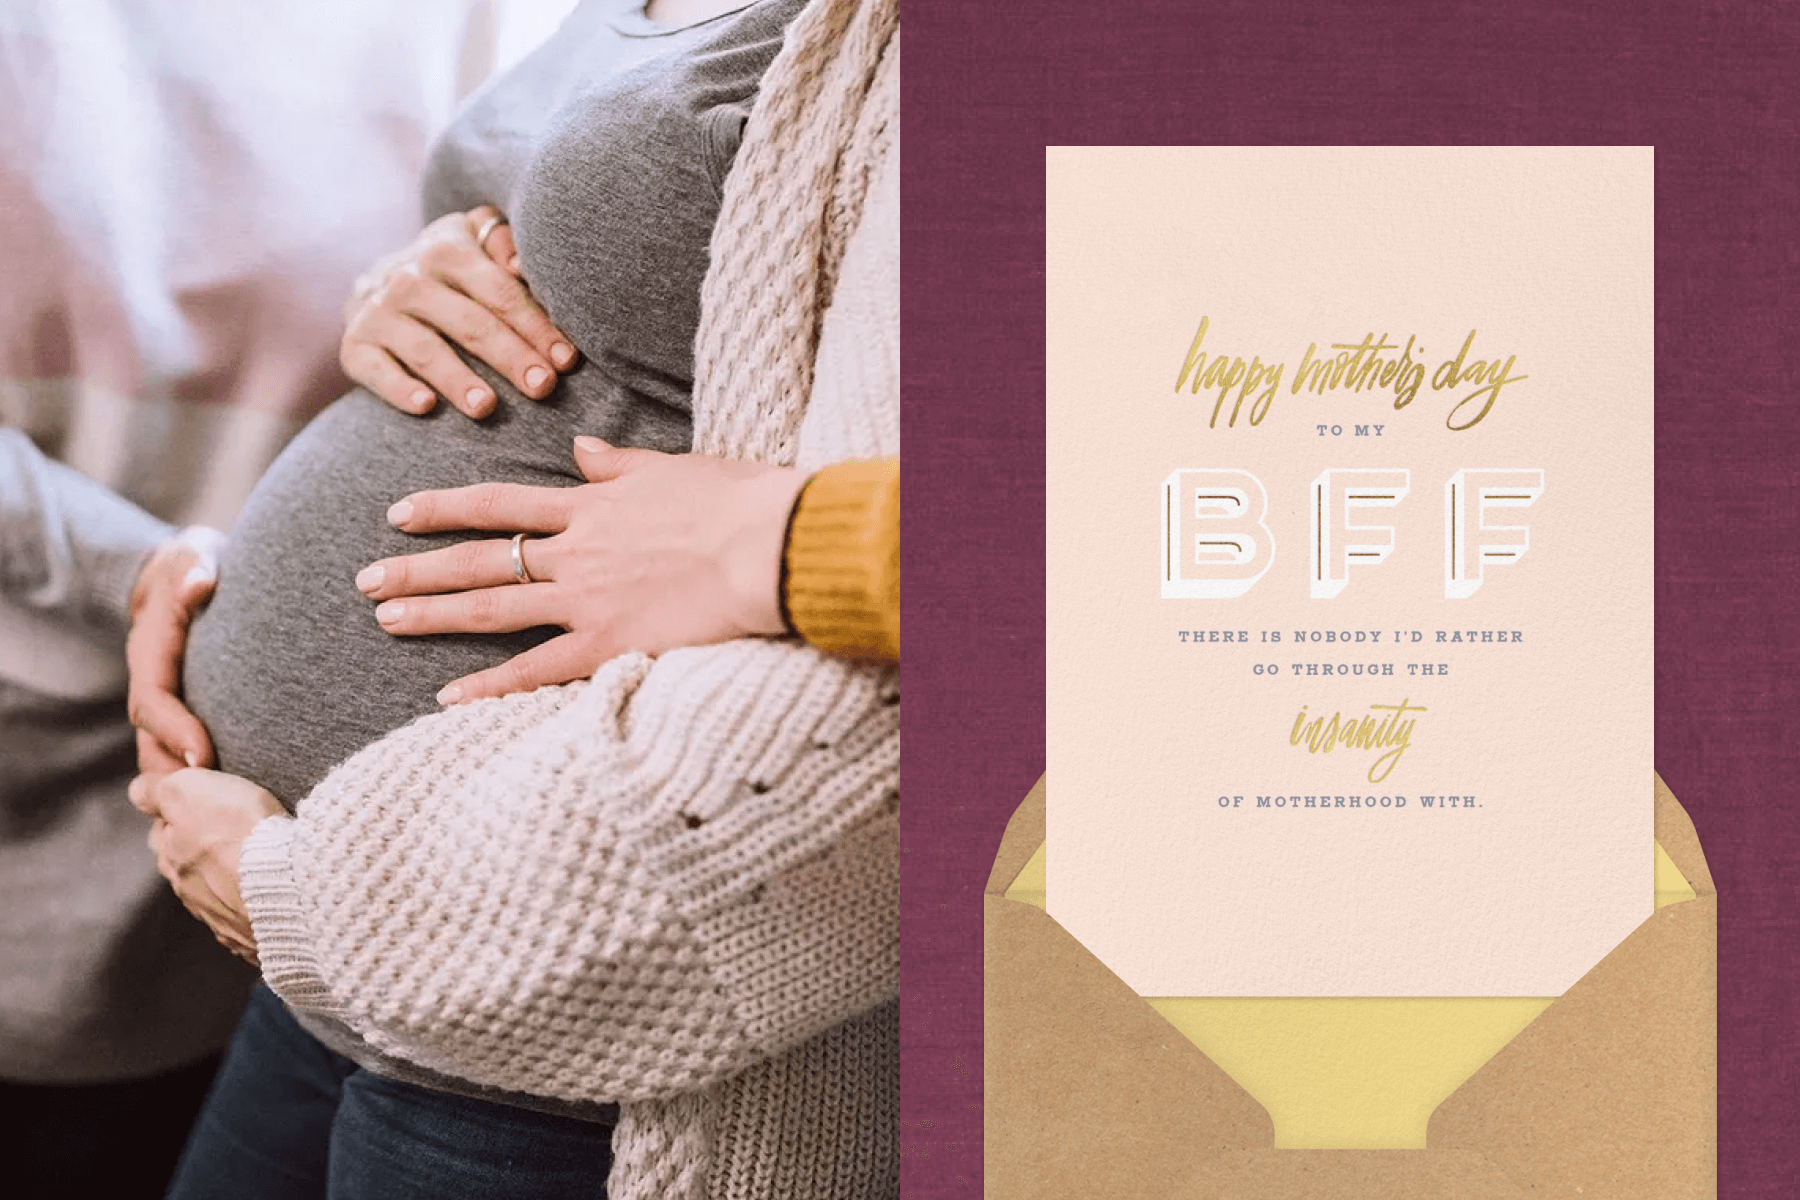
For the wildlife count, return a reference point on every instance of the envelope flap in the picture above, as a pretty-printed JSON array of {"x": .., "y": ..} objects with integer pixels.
[
  {"x": 1348, "y": 1174},
  {"x": 1024, "y": 834},
  {"x": 1613, "y": 1089},
  {"x": 1675, "y": 830},
  {"x": 1083, "y": 1081}
]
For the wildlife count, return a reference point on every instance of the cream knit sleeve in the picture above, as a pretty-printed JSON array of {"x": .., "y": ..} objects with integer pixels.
[{"x": 618, "y": 890}]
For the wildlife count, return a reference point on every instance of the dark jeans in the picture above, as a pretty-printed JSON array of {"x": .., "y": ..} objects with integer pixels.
[
  {"x": 287, "y": 1119},
  {"x": 118, "y": 1140}
]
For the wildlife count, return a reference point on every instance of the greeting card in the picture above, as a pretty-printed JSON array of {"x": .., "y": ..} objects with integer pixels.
[{"x": 1349, "y": 566}]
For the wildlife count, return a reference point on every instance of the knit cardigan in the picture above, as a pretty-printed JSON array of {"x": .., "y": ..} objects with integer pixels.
[{"x": 674, "y": 886}]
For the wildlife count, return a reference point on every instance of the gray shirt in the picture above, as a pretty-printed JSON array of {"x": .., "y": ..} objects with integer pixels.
[{"x": 612, "y": 178}]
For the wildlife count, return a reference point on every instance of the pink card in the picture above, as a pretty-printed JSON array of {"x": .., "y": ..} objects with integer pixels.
[{"x": 1350, "y": 565}]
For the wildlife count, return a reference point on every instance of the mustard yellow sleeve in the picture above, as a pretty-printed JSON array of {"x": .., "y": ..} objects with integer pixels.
[{"x": 841, "y": 570}]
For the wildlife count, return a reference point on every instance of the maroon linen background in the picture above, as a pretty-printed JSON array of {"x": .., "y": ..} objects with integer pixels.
[{"x": 989, "y": 84}]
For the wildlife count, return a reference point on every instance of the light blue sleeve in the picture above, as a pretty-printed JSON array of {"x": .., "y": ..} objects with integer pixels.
[{"x": 70, "y": 548}]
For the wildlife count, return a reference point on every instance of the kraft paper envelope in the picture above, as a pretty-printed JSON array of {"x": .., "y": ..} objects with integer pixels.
[{"x": 1608, "y": 1093}]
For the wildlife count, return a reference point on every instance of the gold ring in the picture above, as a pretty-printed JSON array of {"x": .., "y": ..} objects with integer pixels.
[
  {"x": 518, "y": 556},
  {"x": 487, "y": 228}
]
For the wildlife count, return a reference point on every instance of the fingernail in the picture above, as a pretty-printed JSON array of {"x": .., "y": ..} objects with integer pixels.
[
  {"x": 198, "y": 575},
  {"x": 401, "y": 513},
  {"x": 478, "y": 399},
  {"x": 390, "y": 612},
  {"x": 135, "y": 789},
  {"x": 192, "y": 759},
  {"x": 562, "y": 354},
  {"x": 512, "y": 264},
  {"x": 591, "y": 445},
  {"x": 451, "y": 694},
  {"x": 534, "y": 378},
  {"x": 369, "y": 578},
  {"x": 421, "y": 400}
]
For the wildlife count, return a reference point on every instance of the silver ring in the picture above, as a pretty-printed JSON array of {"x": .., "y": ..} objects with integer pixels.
[
  {"x": 487, "y": 228},
  {"x": 518, "y": 556}
]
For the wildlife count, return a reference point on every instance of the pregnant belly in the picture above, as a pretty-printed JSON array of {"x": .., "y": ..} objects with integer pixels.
[{"x": 287, "y": 666}]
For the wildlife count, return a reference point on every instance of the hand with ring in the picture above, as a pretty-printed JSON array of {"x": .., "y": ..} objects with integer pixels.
[
  {"x": 655, "y": 551},
  {"x": 458, "y": 283}
]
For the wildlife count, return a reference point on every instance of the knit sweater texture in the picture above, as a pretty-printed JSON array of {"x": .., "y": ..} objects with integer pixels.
[{"x": 674, "y": 886}]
